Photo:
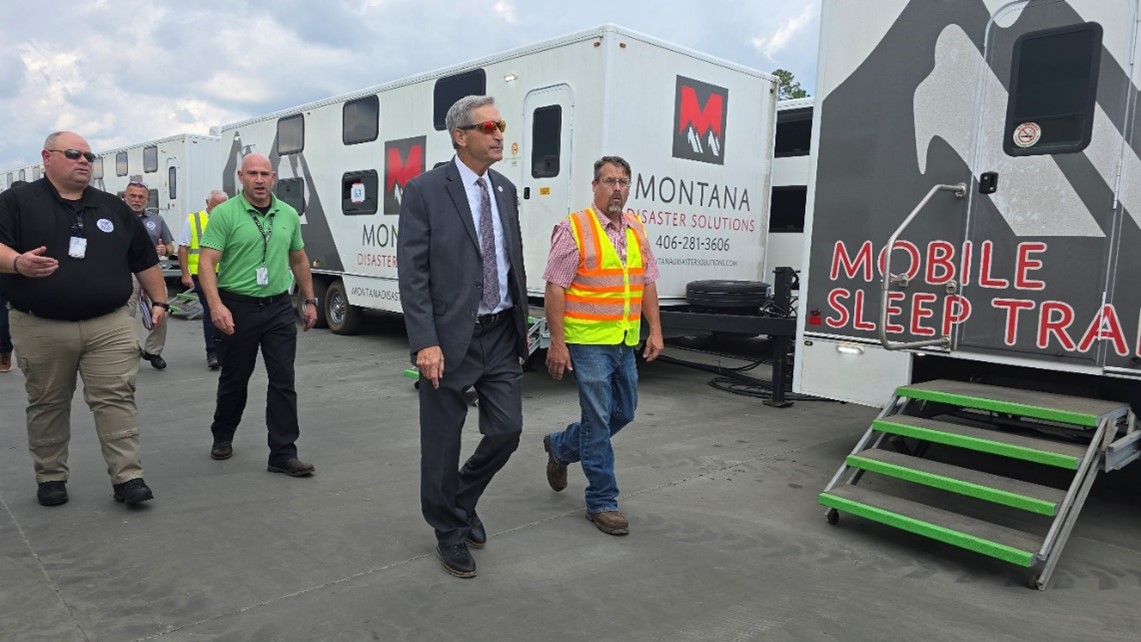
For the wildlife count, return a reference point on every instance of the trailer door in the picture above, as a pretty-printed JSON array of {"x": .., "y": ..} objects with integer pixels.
[
  {"x": 548, "y": 125},
  {"x": 1040, "y": 229}
]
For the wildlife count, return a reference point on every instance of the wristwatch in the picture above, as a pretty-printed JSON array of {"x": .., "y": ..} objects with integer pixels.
[
  {"x": 312, "y": 302},
  {"x": 164, "y": 306}
]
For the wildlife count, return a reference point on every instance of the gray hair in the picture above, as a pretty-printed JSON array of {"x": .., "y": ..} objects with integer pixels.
[
  {"x": 217, "y": 192},
  {"x": 616, "y": 161},
  {"x": 49, "y": 142},
  {"x": 459, "y": 114}
]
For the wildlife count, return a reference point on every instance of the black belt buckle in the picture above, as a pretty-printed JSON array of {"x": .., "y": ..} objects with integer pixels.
[{"x": 490, "y": 319}]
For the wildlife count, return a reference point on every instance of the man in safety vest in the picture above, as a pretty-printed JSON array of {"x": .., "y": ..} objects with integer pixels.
[
  {"x": 188, "y": 248},
  {"x": 600, "y": 282}
]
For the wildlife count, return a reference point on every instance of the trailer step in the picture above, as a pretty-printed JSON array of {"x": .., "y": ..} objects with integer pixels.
[
  {"x": 1033, "y": 449},
  {"x": 1035, "y": 498},
  {"x": 1079, "y": 411},
  {"x": 1001, "y": 542}
]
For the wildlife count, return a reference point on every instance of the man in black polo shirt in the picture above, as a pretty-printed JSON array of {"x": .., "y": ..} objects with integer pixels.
[{"x": 67, "y": 252}]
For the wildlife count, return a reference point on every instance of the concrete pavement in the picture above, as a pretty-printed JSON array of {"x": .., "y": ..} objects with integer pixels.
[{"x": 727, "y": 541}]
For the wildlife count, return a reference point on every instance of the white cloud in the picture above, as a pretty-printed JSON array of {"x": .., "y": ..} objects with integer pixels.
[
  {"x": 787, "y": 33},
  {"x": 506, "y": 10}
]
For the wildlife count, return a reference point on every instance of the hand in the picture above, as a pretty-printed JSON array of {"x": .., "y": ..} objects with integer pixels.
[
  {"x": 33, "y": 264},
  {"x": 161, "y": 249},
  {"x": 158, "y": 314},
  {"x": 654, "y": 345},
  {"x": 308, "y": 316},
  {"x": 188, "y": 281},
  {"x": 223, "y": 320},
  {"x": 558, "y": 360},
  {"x": 430, "y": 361}
]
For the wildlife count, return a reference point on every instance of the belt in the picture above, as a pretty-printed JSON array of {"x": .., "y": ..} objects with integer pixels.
[
  {"x": 257, "y": 300},
  {"x": 492, "y": 319}
]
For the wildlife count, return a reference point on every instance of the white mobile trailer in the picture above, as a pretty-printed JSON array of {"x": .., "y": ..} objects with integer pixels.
[
  {"x": 697, "y": 131},
  {"x": 178, "y": 170},
  {"x": 791, "y": 165},
  {"x": 27, "y": 173},
  {"x": 974, "y": 214}
]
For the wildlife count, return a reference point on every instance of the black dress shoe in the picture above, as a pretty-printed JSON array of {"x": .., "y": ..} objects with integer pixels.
[
  {"x": 477, "y": 536},
  {"x": 133, "y": 491},
  {"x": 457, "y": 560},
  {"x": 157, "y": 362},
  {"x": 222, "y": 450},
  {"x": 293, "y": 468},
  {"x": 212, "y": 361},
  {"x": 52, "y": 493}
]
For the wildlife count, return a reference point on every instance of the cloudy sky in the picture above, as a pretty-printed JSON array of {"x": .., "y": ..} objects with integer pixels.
[{"x": 121, "y": 72}]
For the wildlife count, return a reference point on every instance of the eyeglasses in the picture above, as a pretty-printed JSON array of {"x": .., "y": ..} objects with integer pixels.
[
  {"x": 616, "y": 182},
  {"x": 138, "y": 184},
  {"x": 488, "y": 126},
  {"x": 74, "y": 154}
]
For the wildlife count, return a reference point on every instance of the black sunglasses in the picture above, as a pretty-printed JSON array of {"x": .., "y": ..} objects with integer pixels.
[
  {"x": 488, "y": 126},
  {"x": 74, "y": 154}
]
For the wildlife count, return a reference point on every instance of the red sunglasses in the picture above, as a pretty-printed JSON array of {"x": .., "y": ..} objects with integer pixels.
[{"x": 488, "y": 126}]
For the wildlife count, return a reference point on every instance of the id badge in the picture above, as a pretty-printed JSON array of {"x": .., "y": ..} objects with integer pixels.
[
  {"x": 77, "y": 249},
  {"x": 263, "y": 275}
]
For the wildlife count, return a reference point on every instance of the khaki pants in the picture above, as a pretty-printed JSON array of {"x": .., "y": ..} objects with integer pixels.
[
  {"x": 156, "y": 337},
  {"x": 104, "y": 351}
]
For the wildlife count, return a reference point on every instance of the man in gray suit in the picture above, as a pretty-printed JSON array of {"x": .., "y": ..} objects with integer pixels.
[{"x": 464, "y": 295}]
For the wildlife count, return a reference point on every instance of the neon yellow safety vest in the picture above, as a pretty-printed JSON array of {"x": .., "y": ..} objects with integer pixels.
[
  {"x": 198, "y": 222},
  {"x": 604, "y": 302}
]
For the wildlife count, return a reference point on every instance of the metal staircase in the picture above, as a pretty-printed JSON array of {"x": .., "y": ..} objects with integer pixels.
[{"x": 999, "y": 506}]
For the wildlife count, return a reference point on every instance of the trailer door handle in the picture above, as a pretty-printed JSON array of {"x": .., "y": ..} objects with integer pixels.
[
  {"x": 526, "y": 193},
  {"x": 988, "y": 182}
]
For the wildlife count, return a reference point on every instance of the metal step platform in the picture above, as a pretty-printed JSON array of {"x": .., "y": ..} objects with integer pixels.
[{"x": 990, "y": 499}]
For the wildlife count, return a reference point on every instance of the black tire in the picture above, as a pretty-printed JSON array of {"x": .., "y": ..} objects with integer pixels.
[
  {"x": 832, "y": 516},
  {"x": 341, "y": 317},
  {"x": 720, "y": 294},
  {"x": 321, "y": 290}
]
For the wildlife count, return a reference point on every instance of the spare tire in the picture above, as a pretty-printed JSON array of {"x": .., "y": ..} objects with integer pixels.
[{"x": 719, "y": 294}]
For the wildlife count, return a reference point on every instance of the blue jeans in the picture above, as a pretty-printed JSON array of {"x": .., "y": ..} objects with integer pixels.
[
  {"x": 607, "y": 378},
  {"x": 5, "y": 338}
]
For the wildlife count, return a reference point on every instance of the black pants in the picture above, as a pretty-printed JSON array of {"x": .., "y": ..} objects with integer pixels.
[
  {"x": 269, "y": 325},
  {"x": 207, "y": 322},
  {"x": 448, "y": 493}
]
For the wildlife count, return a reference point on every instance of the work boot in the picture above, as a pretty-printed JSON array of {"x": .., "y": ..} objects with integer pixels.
[
  {"x": 457, "y": 560},
  {"x": 556, "y": 472},
  {"x": 132, "y": 491},
  {"x": 157, "y": 362},
  {"x": 212, "y": 361},
  {"x": 610, "y": 522},
  {"x": 293, "y": 468},
  {"x": 5, "y": 361}
]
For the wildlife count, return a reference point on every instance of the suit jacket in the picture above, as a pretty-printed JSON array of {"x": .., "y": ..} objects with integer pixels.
[{"x": 439, "y": 264}]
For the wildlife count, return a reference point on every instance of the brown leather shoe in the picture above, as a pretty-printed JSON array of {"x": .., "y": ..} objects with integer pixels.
[
  {"x": 222, "y": 450},
  {"x": 5, "y": 361},
  {"x": 610, "y": 522},
  {"x": 293, "y": 468},
  {"x": 556, "y": 472}
]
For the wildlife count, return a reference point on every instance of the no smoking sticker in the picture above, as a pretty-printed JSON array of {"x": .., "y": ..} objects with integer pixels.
[{"x": 1027, "y": 134}]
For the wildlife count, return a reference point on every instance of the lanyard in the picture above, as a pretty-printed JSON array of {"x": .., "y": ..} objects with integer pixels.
[{"x": 265, "y": 234}]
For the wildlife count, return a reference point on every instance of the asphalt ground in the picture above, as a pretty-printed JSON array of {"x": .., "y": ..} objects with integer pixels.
[{"x": 727, "y": 541}]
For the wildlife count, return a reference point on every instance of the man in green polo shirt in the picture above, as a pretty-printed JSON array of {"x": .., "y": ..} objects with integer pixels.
[{"x": 254, "y": 239}]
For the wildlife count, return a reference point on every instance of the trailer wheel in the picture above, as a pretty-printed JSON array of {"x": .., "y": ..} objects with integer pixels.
[
  {"x": 321, "y": 290},
  {"x": 341, "y": 317},
  {"x": 832, "y": 516},
  {"x": 719, "y": 294}
]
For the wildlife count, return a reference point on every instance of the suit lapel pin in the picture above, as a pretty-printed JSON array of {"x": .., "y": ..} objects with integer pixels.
[{"x": 500, "y": 189}]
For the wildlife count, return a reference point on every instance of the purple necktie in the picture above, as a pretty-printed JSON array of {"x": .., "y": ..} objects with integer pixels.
[{"x": 487, "y": 249}]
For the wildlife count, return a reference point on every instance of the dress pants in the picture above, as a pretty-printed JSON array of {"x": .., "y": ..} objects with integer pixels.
[
  {"x": 271, "y": 327},
  {"x": 448, "y": 493},
  {"x": 156, "y": 336}
]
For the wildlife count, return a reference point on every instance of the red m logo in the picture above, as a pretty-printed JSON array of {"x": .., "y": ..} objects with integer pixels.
[
  {"x": 703, "y": 119},
  {"x": 401, "y": 170}
]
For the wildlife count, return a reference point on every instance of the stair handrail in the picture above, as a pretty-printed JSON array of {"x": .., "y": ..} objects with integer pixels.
[{"x": 960, "y": 191}]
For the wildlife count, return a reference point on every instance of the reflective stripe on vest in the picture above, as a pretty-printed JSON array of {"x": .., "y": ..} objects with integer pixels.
[
  {"x": 604, "y": 302},
  {"x": 198, "y": 222}
]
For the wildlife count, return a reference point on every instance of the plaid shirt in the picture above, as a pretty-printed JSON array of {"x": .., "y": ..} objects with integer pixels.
[{"x": 562, "y": 262}]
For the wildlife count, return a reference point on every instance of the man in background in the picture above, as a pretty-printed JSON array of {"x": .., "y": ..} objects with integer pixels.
[
  {"x": 136, "y": 195},
  {"x": 5, "y": 336},
  {"x": 189, "y": 249}
]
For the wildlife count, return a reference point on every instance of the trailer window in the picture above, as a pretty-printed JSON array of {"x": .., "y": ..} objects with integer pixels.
[
  {"x": 359, "y": 194},
  {"x": 150, "y": 159},
  {"x": 121, "y": 164},
  {"x": 451, "y": 88},
  {"x": 152, "y": 199},
  {"x": 11, "y": 179},
  {"x": 23, "y": 175},
  {"x": 546, "y": 139},
  {"x": 786, "y": 211},
  {"x": 291, "y": 134},
  {"x": 172, "y": 181},
  {"x": 360, "y": 120},
  {"x": 1053, "y": 80},
  {"x": 97, "y": 169},
  {"x": 37, "y": 173},
  {"x": 794, "y": 133},
  {"x": 292, "y": 191}
]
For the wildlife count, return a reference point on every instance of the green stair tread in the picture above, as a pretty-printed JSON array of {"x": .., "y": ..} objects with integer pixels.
[
  {"x": 1005, "y": 536},
  {"x": 968, "y": 475},
  {"x": 1053, "y": 446},
  {"x": 1042, "y": 405}
]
